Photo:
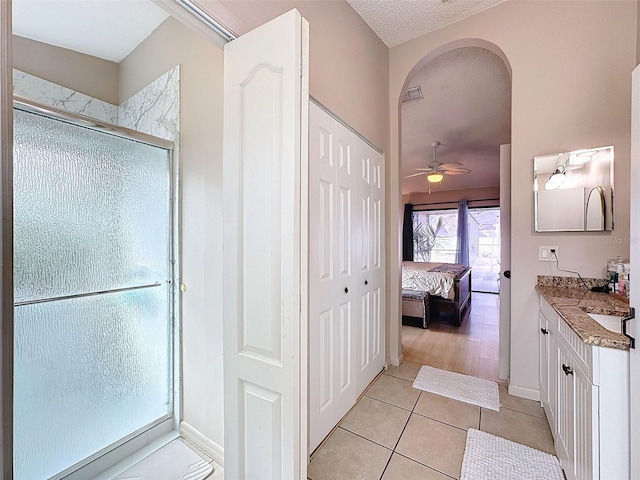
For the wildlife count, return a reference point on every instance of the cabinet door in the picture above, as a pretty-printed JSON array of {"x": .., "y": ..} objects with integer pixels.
[
  {"x": 543, "y": 350},
  {"x": 552, "y": 378},
  {"x": 565, "y": 413},
  {"x": 585, "y": 460}
]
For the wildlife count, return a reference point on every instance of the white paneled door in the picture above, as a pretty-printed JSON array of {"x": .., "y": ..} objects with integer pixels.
[
  {"x": 505, "y": 261},
  {"x": 265, "y": 251},
  {"x": 370, "y": 280},
  {"x": 346, "y": 273},
  {"x": 333, "y": 293}
]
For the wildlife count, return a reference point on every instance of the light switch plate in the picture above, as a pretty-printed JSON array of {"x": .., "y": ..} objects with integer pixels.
[{"x": 545, "y": 254}]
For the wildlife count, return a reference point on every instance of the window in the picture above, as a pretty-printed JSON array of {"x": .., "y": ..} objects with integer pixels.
[
  {"x": 484, "y": 249},
  {"x": 435, "y": 239},
  {"x": 435, "y": 236}
]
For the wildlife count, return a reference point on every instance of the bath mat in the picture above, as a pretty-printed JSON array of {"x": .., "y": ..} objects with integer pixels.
[
  {"x": 476, "y": 391},
  {"x": 487, "y": 457},
  {"x": 174, "y": 461}
]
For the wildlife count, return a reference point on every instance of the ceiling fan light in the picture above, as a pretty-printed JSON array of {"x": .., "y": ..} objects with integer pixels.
[{"x": 435, "y": 177}]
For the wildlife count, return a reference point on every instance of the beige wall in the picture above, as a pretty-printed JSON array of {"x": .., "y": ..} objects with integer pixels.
[
  {"x": 200, "y": 201},
  {"x": 92, "y": 76},
  {"x": 489, "y": 195},
  {"x": 571, "y": 64},
  {"x": 638, "y": 32}
]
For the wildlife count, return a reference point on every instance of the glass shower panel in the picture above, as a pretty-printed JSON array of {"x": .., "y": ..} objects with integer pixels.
[
  {"x": 88, "y": 372},
  {"x": 91, "y": 210},
  {"x": 93, "y": 329}
]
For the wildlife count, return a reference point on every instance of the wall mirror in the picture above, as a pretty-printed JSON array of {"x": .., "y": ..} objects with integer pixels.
[{"x": 574, "y": 191}]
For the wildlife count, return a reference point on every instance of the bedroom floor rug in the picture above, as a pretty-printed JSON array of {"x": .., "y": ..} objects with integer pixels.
[
  {"x": 473, "y": 390},
  {"x": 487, "y": 457}
]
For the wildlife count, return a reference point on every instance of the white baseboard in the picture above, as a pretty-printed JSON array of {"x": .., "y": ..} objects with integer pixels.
[
  {"x": 396, "y": 361},
  {"x": 524, "y": 392},
  {"x": 198, "y": 440}
]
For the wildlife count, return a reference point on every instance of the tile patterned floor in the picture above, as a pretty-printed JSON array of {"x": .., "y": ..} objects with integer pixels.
[{"x": 398, "y": 432}]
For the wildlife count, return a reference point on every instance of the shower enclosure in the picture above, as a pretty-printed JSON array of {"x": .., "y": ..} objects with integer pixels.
[{"x": 93, "y": 275}]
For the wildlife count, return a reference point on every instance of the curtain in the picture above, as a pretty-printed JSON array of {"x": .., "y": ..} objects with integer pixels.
[
  {"x": 462, "y": 255},
  {"x": 407, "y": 233}
]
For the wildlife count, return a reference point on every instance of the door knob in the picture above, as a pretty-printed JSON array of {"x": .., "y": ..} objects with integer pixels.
[
  {"x": 507, "y": 273},
  {"x": 544, "y": 331},
  {"x": 567, "y": 370},
  {"x": 366, "y": 282},
  {"x": 346, "y": 290}
]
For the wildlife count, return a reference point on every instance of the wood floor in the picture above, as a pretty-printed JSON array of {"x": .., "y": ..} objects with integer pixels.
[{"x": 471, "y": 349}]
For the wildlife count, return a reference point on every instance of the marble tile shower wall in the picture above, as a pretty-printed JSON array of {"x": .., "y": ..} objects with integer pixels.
[
  {"x": 63, "y": 98},
  {"x": 154, "y": 110}
]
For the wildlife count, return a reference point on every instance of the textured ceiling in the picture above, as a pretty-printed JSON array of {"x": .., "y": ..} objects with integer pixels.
[
  {"x": 467, "y": 107},
  {"x": 397, "y": 21},
  {"x": 108, "y": 29}
]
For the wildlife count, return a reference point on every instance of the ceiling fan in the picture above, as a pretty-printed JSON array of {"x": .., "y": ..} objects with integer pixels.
[{"x": 436, "y": 170}]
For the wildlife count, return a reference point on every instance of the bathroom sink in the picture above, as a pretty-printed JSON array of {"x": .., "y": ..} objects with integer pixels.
[{"x": 610, "y": 322}]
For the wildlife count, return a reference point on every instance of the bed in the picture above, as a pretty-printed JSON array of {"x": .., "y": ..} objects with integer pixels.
[{"x": 448, "y": 285}]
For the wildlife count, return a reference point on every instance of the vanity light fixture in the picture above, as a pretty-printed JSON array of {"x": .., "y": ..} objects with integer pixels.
[{"x": 556, "y": 179}]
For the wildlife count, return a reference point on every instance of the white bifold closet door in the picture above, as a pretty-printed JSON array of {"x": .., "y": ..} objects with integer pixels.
[{"x": 346, "y": 270}]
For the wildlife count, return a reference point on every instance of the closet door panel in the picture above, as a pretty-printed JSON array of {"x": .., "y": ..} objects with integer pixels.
[
  {"x": 370, "y": 263},
  {"x": 377, "y": 256},
  {"x": 333, "y": 297},
  {"x": 347, "y": 270}
]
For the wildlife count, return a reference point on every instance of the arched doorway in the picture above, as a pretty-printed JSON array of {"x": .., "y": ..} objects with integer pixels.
[{"x": 463, "y": 91}]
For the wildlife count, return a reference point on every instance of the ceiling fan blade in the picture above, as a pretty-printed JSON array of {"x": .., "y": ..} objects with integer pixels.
[
  {"x": 450, "y": 165},
  {"x": 415, "y": 175},
  {"x": 456, "y": 171}
]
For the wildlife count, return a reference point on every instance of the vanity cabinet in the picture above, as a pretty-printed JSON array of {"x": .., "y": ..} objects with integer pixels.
[
  {"x": 584, "y": 392},
  {"x": 548, "y": 362}
]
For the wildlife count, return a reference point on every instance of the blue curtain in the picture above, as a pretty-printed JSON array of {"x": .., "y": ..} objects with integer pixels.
[
  {"x": 463, "y": 233},
  {"x": 407, "y": 234}
]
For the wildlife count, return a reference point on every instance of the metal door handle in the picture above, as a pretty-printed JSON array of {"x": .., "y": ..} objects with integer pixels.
[
  {"x": 346, "y": 290},
  {"x": 544, "y": 331},
  {"x": 507, "y": 273},
  {"x": 366, "y": 282}
]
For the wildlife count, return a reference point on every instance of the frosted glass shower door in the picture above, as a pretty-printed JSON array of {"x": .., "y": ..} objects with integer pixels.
[{"x": 93, "y": 329}]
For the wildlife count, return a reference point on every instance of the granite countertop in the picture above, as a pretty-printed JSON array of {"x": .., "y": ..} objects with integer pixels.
[{"x": 573, "y": 304}]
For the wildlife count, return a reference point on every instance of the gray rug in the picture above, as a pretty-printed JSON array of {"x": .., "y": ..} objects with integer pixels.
[
  {"x": 465, "y": 388},
  {"x": 487, "y": 457}
]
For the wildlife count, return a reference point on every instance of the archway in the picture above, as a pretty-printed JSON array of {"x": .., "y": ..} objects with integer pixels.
[{"x": 480, "y": 146}]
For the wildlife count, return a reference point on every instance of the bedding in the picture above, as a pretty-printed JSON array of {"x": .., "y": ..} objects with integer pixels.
[
  {"x": 448, "y": 286},
  {"x": 434, "y": 278}
]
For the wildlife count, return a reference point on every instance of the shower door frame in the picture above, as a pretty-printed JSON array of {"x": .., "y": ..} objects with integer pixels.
[
  {"x": 6, "y": 240},
  {"x": 166, "y": 428}
]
